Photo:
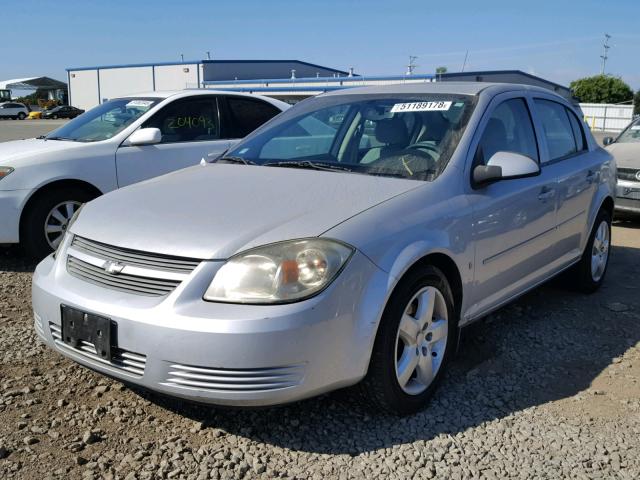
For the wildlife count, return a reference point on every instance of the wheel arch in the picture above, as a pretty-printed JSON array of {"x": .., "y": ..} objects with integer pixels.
[
  {"x": 55, "y": 185},
  {"x": 449, "y": 268}
]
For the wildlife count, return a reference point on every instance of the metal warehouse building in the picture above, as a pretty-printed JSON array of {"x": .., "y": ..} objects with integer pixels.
[
  {"x": 90, "y": 86},
  {"x": 294, "y": 89}
]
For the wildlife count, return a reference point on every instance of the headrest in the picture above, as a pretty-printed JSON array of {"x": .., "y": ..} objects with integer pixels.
[{"x": 392, "y": 131}]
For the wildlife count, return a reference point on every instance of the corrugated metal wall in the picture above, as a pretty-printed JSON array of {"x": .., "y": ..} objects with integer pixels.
[{"x": 607, "y": 117}]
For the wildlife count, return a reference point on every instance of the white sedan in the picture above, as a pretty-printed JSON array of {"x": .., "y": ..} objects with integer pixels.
[{"x": 44, "y": 180}]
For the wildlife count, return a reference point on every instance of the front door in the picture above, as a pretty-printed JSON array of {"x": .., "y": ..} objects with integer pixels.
[
  {"x": 190, "y": 130},
  {"x": 514, "y": 220}
]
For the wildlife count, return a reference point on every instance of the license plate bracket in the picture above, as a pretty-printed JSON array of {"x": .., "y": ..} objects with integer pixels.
[{"x": 79, "y": 326}]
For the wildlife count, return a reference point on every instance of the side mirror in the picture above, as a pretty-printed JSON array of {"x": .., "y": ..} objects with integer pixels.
[
  {"x": 505, "y": 166},
  {"x": 607, "y": 141},
  {"x": 145, "y": 136}
]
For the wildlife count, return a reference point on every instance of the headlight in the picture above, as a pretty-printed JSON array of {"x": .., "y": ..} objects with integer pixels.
[
  {"x": 4, "y": 171},
  {"x": 279, "y": 273}
]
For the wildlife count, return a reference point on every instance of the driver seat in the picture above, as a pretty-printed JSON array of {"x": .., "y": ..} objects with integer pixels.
[{"x": 393, "y": 134}]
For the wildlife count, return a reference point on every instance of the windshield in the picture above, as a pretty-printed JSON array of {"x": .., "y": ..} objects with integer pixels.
[
  {"x": 103, "y": 121},
  {"x": 401, "y": 136},
  {"x": 631, "y": 134}
]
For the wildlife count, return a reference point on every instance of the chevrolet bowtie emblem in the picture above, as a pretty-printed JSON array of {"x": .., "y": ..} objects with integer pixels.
[{"x": 113, "y": 268}]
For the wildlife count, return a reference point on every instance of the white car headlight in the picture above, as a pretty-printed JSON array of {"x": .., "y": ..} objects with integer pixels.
[
  {"x": 279, "y": 273},
  {"x": 4, "y": 171}
]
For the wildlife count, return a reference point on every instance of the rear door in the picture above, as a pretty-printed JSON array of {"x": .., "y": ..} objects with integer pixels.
[
  {"x": 242, "y": 115},
  {"x": 565, "y": 153},
  {"x": 191, "y": 130},
  {"x": 514, "y": 220}
]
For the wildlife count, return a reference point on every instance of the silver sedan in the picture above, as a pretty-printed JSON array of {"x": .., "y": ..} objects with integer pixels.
[{"x": 348, "y": 240}]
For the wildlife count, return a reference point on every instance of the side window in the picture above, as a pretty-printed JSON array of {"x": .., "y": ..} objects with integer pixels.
[
  {"x": 187, "y": 120},
  {"x": 509, "y": 129},
  {"x": 557, "y": 128},
  {"x": 578, "y": 131},
  {"x": 247, "y": 114}
]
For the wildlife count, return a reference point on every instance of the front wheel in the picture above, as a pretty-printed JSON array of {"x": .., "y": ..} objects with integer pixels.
[
  {"x": 415, "y": 340},
  {"x": 45, "y": 222},
  {"x": 589, "y": 273}
]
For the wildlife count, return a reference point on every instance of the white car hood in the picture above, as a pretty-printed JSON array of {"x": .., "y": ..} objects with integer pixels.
[
  {"x": 216, "y": 210},
  {"x": 17, "y": 152},
  {"x": 627, "y": 155}
]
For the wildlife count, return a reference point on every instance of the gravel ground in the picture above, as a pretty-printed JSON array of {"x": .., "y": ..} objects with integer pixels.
[{"x": 545, "y": 388}]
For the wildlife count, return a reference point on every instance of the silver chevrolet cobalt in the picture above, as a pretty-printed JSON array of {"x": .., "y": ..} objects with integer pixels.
[{"x": 347, "y": 240}]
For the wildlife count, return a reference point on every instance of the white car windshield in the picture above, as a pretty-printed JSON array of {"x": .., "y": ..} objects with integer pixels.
[
  {"x": 103, "y": 121},
  {"x": 631, "y": 134},
  {"x": 409, "y": 136}
]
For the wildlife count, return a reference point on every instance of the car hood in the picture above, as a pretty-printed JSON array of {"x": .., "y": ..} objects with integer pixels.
[
  {"x": 216, "y": 210},
  {"x": 627, "y": 155},
  {"x": 11, "y": 153}
]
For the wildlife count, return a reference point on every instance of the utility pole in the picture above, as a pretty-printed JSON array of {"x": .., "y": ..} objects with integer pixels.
[
  {"x": 412, "y": 64},
  {"x": 182, "y": 57},
  {"x": 605, "y": 51},
  {"x": 464, "y": 64},
  {"x": 208, "y": 55}
]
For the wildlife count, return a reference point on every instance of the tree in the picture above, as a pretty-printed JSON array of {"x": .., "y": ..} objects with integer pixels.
[
  {"x": 601, "y": 89},
  {"x": 636, "y": 103},
  {"x": 441, "y": 70}
]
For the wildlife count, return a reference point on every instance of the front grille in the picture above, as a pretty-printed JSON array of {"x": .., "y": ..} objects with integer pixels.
[
  {"x": 628, "y": 174},
  {"x": 234, "y": 380},
  {"x": 121, "y": 282},
  {"x": 140, "y": 273},
  {"x": 134, "y": 257},
  {"x": 130, "y": 362}
]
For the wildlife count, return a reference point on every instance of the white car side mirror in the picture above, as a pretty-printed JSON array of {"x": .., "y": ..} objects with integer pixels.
[
  {"x": 145, "y": 136},
  {"x": 505, "y": 166}
]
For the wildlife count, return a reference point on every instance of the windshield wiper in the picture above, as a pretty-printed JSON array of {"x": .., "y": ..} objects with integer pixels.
[
  {"x": 61, "y": 138},
  {"x": 240, "y": 160},
  {"x": 327, "y": 167}
]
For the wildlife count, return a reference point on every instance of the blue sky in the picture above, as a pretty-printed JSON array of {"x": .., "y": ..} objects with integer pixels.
[{"x": 560, "y": 40}]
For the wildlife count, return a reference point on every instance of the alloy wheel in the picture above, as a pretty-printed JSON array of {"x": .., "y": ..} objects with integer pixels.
[
  {"x": 57, "y": 221},
  {"x": 421, "y": 340},
  {"x": 600, "y": 251}
]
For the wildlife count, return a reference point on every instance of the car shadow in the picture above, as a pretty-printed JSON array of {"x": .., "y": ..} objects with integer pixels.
[
  {"x": 549, "y": 345},
  {"x": 12, "y": 259}
]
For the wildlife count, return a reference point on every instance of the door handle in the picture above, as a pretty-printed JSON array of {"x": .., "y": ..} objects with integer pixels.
[
  {"x": 591, "y": 176},
  {"x": 546, "y": 193}
]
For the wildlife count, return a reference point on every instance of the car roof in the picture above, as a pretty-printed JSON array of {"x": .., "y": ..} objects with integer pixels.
[{"x": 454, "y": 88}]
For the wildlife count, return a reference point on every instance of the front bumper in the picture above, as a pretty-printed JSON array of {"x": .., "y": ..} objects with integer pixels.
[
  {"x": 11, "y": 203},
  {"x": 244, "y": 355},
  {"x": 628, "y": 196}
]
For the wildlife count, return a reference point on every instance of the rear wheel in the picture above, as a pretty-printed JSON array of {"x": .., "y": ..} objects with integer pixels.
[
  {"x": 22, "y": 116},
  {"x": 415, "y": 340},
  {"x": 589, "y": 273},
  {"x": 45, "y": 222}
]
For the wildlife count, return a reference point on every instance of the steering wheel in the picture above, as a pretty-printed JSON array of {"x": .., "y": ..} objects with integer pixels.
[
  {"x": 410, "y": 161},
  {"x": 424, "y": 145}
]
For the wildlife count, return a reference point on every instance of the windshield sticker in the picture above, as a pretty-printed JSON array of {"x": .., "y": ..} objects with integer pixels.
[
  {"x": 421, "y": 107},
  {"x": 139, "y": 103}
]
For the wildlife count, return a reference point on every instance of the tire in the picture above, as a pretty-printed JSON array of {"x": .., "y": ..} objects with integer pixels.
[
  {"x": 54, "y": 117},
  {"x": 584, "y": 276},
  {"x": 384, "y": 384},
  {"x": 21, "y": 116},
  {"x": 36, "y": 242}
]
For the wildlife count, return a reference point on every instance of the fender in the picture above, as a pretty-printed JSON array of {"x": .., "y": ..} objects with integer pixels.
[{"x": 605, "y": 190}]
